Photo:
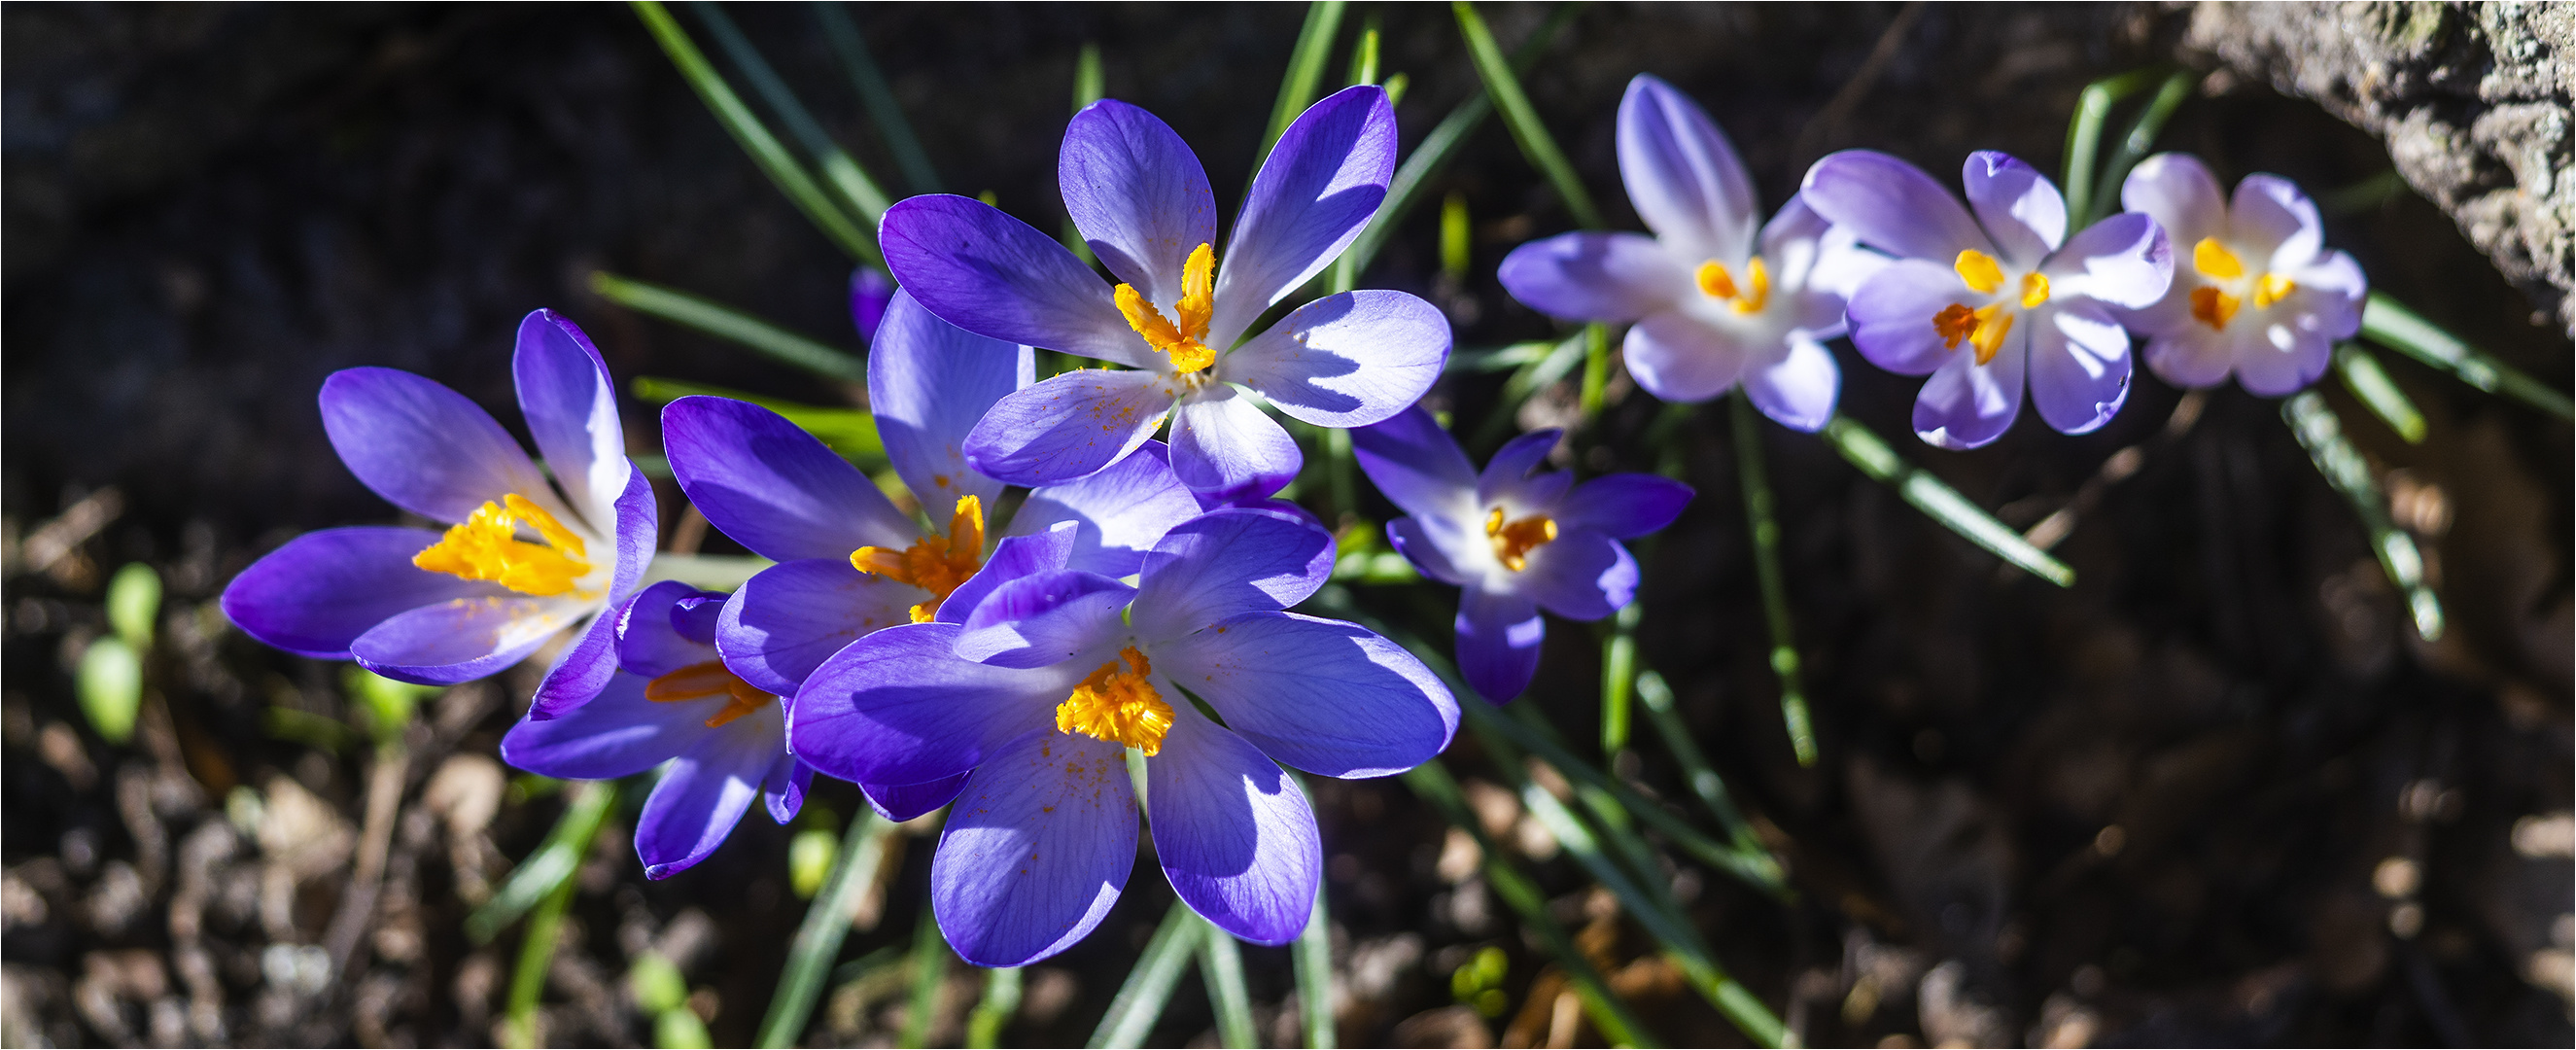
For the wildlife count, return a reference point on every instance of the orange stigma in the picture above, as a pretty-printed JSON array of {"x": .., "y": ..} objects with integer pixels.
[
  {"x": 700, "y": 681},
  {"x": 1179, "y": 340},
  {"x": 1513, "y": 541},
  {"x": 1717, "y": 283},
  {"x": 1119, "y": 706},
  {"x": 937, "y": 564}
]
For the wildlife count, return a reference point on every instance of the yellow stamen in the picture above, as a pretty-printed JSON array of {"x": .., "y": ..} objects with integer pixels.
[
  {"x": 700, "y": 681},
  {"x": 2213, "y": 259},
  {"x": 1717, "y": 283},
  {"x": 937, "y": 564},
  {"x": 2212, "y": 307},
  {"x": 1118, "y": 706},
  {"x": 487, "y": 546},
  {"x": 1513, "y": 541},
  {"x": 1984, "y": 328},
  {"x": 2034, "y": 290},
  {"x": 1180, "y": 341},
  {"x": 2271, "y": 289},
  {"x": 1714, "y": 281},
  {"x": 1979, "y": 271}
]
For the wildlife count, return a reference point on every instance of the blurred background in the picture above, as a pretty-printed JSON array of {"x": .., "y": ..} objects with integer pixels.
[{"x": 2217, "y": 792}]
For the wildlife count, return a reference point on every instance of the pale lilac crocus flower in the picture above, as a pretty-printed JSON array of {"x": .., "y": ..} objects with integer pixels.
[{"x": 2261, "y": 297}]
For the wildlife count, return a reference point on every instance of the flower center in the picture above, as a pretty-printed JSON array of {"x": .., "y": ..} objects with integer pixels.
[
  {"x": 1718, "y": 284},
  {"x": 700, "y": 681},
  {"x": 2213, "y": 304},
  {"x": 933, "y": 563},
  {"x": 487, "y": 547},
  {"x": 1514, "y": 540},
  {"x": 1118, "y": 706},
  {"x": 1984, "y": 327},
  {"x": 1179, "y": 341}
]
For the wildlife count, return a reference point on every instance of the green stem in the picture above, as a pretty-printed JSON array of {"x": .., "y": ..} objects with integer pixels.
[
  {"x": 1762, "y": 520},
  {"x": 712, "y": 572},
  {"x": 1148, "y": 987},
  {"x": 2371, "y": 384},
  {"x": 536, "y": 955},
  {"x": 852, "y": 432},
  {"x": 930, "y": 957},
  {"x": 993, "y": 1014},
  {"x": 1221, "y": 969},
  {"x": 1342, "y": 471},
  {"x": 2134, "y": 145},
  {"x": 2389, "y": 323},
  {"x": 551, "y": 866},
  {"x": 1522, "y": 118},
  {"x": 2084, "y": 133},
  {"x": 1305, "y": 71},
  {"x": 2322, "y": 435},
  {"x": 1703, "y": 780},
  {"x": 725, "y": 322},
  {"x": 861, "y": 193},
  {"x": 1937, "y": 500},
  {"x": 1618, "y": 678},
  {"x": 878, "y": 97},
  {"x": 1314, "y": 962},
  {"x": 1596, "y": 368},
  {"x": 818, "y": 938}
]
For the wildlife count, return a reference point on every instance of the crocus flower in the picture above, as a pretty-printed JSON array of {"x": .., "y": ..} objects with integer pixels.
[
  {"x": 1981, "y": 303},
  {"x": 1716, "y": 297},
  {"x": 1139, "y": 197},
  {"x": 522, "y": 558},
  {"x": 671, "y": 700},
  {"x": 1059, "y": 676},
  {"x": 1514, "y": 542},
  {"x": 2262, "y": 297},
  {"x": 871, "y": 291}
]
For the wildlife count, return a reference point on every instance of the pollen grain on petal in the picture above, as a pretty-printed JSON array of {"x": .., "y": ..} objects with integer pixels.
[{"x": 1979, "y": 271}]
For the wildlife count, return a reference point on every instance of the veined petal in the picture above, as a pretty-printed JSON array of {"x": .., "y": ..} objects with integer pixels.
[
  {"x": 2177, "y": 191},
  {"x": 2079, "y": 366},
  {"x": 463, "y": 639},
  {"x": 2276, "y": 222},
  {"x": 1429, "y": 548},
  {"x": 782, "y": 789},
  {"x": 1682, "y": 359},
  {"x": 583, "y": 668},
  {"x": 1588, "y": 276},
  {"x": 1508, "y": 473},
  {"x": 1044, "y": 619},
  {"x": 1226, "y": 562},
  {"x": 1682, "y": 174},
  {"x": 2016, "y": 204},
  {"x": 1223, "y": 443},
  {"x": 1624, "y": 506},
  {"x": 1014, "y": 558},
  {"x": 1797, "y": 391},
  {"x": 1121, "y": 511},
  {"x": 1345, "y": 360},
  {"x": 322, "y": 590},
  {"x": 2123, "y": 260},
  {"x": 1325, "y": 696},
  {"x": 1891, "y": 317},
  {"x": 900, "y": 707},
  {"x": 998, "y": 277},
  {"x": 649, "y": 642},
  {"x": 1233, "y": 831},
  {"x": 619, "y": 733},
  {"x": 704, "y": 793},
  {"x": 1582, "y": 575},
  {"x": 423, "y": 447},
  {"x": 1499, "y": 636},
  {"x": 1322, "y": 182},
  {"x": 1965, "y": 405},
  {"x": 929, "y": 383},
  {"x": 1038, "y": 846},
  {"x": 773, "y": 487},
  {"x": 1138, "y": 195},
  {"x": 1416, "y": 464},
  {"x": 794, "y": 615},
  {"x": 571, "y": 409},
  {"x": 902, "y": 802},
  {"x": 1892, "y": 205},
  {"x": 1071, "y": 426}
]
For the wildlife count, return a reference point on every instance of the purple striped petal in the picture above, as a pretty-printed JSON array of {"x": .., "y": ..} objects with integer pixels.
[
  {"x": 2123, "y": 261},
  {"x": 775, "y": 488},
  {"x": 902, "y": 802},
  {"x": 423, "y": 447},
  {"x": 1682, "y": 174},
  {"x": 1038, "y": 846},
  {"x": 1120, "y": 511},
  {"x": 571, "y": 408},
  {"x": 1045, "y": 619},
  {"x": 1508, "y": 473},
  {"x": 1891, "y": 317},
  {"x": 1416, "y": 464},
  {"x": 1071, "y": 426},
  {"x": 1233, "y": 831},
  {"x": 1680, "y": 358},
  {"x": 1797, "y": 391},
  {"x": 2177, "y": 191},
  {"x": 2016, "y": 204},
  {"x": 1624, "y": 506},
  {"x": 322, "y": 590},
  {"x": 998, "y": 277},
  {"x": 1014, "y": 558},
  {"x": 1138, "y": 195},
  {"x": 2079, "y": 366},
  {"x": 1223, "y": 443},
  {"x": 1322, "y": 182},
  {"x": 1499, "y": 636},
  {"x": 1345, "y": 360},
  {"x": 901, "y": 708},
  {"x": 1324, "y": 696},
  {"x": 1611, "y": 277},
  {"x": 617, "y": 734},
  {"x": 782, "y": 789},
  {"x": 1226, "y": 562},
  {"x": 704, "y": 793},
  {"x": 584, "y": 667},
  {"x": 929, "y": 383},
  {"x": 1892, "y": 206},
  {"x": 1581, "y": 575},
  {"x": 649, "y": 639},
  {"x": 464, "y": 638},
  {"x": 1966, "y": 405},
  {"x": 794, "y": 615}
]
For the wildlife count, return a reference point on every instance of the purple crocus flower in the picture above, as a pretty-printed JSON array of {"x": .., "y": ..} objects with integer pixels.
[
  {"x": 1059, "y": 676},
  {"x": 522, "y": 559},
  {"x": 2262, "y": 298},
  {"x": 1716, "y": 298},
  {"x": 1514, "y": 542},
  {"x": 1981, "y": 303},
  {"x": 1139, "y": 197},
  {"x": 671, "y": 700},
  {"x": 871, "y": 291}
]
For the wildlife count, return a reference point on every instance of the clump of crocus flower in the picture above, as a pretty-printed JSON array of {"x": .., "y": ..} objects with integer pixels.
[
  {"x": 1175, "y": 320},
  {"x": 523, "y": 558},
  {"x": 1989, "y": 303},
  {"x": 1514, "y": 540},
  {"x": 2257, "y": 293},
  {"x": 1717, "y": 298}
]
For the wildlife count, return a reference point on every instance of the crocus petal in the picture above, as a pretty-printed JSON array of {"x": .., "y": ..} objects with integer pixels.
[
  {"x": 322, "y": 590},
  {"x": 1682, "y": 174},
  {"x": 1680, "y": 358},
  {"x": 1014, "y": 558},
  {"x": 649, "y": 640},
  {"x": 580, "y": 671},
  {"x": 1226, "y": 562},
  {"x": 900, "y": 708},
  {"x": 1038, "y": 846},
  {"x": 1345, "y": 360},
  {"x": 1119, "y": 512},
  {"x": 870, "y": 292},
  {"x": 1581, "y": 575},
  {"x": 2016, "y": 204},
  {"x": 462, "y": 639},
  {"x": 1324, "y": 696},
  {"x": 1223, "y": 443},
  {"x": 1798, "y": 390},
  {"x": 1891, "y": 317},
  {"x": 998, "y": 277},
  {"x": 571, "y": 408},
  {"x": 2282, "y": 356},
  {"x": 1891, "y": 205},
  {"x": 423, "y": 447},
  {"x": 1508, "y": 473},
  {"x": 901, "y": 802},
  {"x": 791, "y": 617},
  {"x": 1320, "y": 185},
  {"x": 1138, "y": 195},
  {"x": 1429, "y": 552},
  {"x": 704, "y": 792},
  {"x": 2279, "y": 224},
  {"x": 1498, "y": 642},
  {"x": 929, "y": 383},
  {"x": 2079, "y": 366},
  {"x": 1233, "y": 831},
  {"x": 1043, "y": 619},
  {"x": 1964, "y": 404},
  {"x": 2335, "y": 276},
  {"x": 773, "y": 487},
  {"x": 782, "y": 789},
  {"x": 2123, "y": 260},
  {"x": 2192, "y": 357},
  {"x": 617, "y": 734},
  {"x": 2178, "y": 191},
  {"x": 1068, "y": 427},
  {"x": 1416, "y": 464},
  {"x": 1624, "y": 505},
  {"x": 1609, "y": 277}
]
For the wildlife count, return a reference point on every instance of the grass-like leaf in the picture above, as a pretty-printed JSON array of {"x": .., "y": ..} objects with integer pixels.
[
  {"x": 851, "y": 432},
  {"x": 1221, "y": 969},
  {"x": 1305, "y": 72},
  {"x": 1761, "y": 518},
  {"x": 1619, "y": 677},
  {"x": 550, "y": 867},
  {"x": 994, "y": 1012},
  {"x": 1504, "y": 85},
  {"x": 2389, "y": 323},
  {"x": 1148, "y": 988},
  {"x": 2084, "y": 136},
  {"x": 2371, "y": 385},
  {"x": 859, "y": 192},
  {"x": 1313, "y": 956},
  {"x": 929, "y": 962},
  {"x": 1704, "y": 782},
  {"x": 1942, "y": 503},
  {"x": 878, "y": 97},
  {"x": 827, "y": 922},
  {"x": 2133, "y": 146},
  {"x": 725, "y": 322},
  {"x": 2322, "y": 435}
]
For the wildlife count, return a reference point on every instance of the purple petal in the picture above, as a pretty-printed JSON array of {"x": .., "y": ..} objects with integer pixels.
[
  {"x": 929, "y": 383},
  {"x": 1611, "y": 277},
  {"x": 571, "y": 408},
  {"x": 2079, "y": 366},
  {"x": 998, "y": 277},
  {"x": 1416, "y": 464},
  {"x": 423, "y": 447},
  {"x": 584, "y": 667},
  {"x": 2177, "y": 191},
  {"x": 1965, "y": 405},
  {"x": 704, "y": 792},
  {"x": 1014, "y": 558},
  {"x": 463, "y": 639},
  {"x": 775, "y": 488},
  {"x": 1322, "y": 182},
  {"x": 322, "y": 590},
  {"x": 1037, "y": 848},
  {"x": 1498, "y": 642},
  {"x": 1891, "y": 317},
  {"x": 2338, "y": 286},
  {"x": 1138, "y": 195},
  {"x": 1324, "y": 696},
  {"x": 1892, "y": 206},
  {"x": 2016, "y": 204},
  {"x": 1508, "y": 473},
  {"x": 2282, "y": 356},
  {"x": 1797, "y": 391},
  {"x": 649, "y": 640},
  {"x": 1581, "y": 575},
  {"x": 1044, "y": 619},
  {"x": 1345, "y": 360},
  {"x": 2276, "y": 222},
  {"x": 782, "y": 789},
  {"x": 1624, "y": 506},
  {"x": 901, "y": 802},
  {"x": 870, "y": 292},
  {"x": 791, "y": 617},
  {"x": 1226, "y": 562},
  {"x": 580, "y": 671},
  {"x": 617, "y": 734},
  {"x": 1682, "y": 174},
  {"x": 1223, "y": 443},
  {"x": 2123, "y": 260},
  {"x": 1680, "y": 358},
  {"x": 1423, "y": 547},
  {"x": 900, "y": 708},
  {"x": 1121, "y": 511},
  {"x": 1071, "y": 426},
  {"x": 2192, "y": 356},
  {"x": 1233, "y": 831}
]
